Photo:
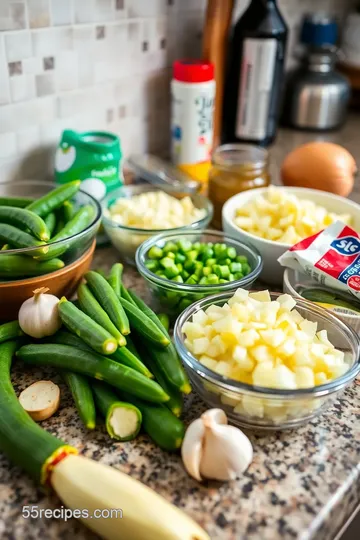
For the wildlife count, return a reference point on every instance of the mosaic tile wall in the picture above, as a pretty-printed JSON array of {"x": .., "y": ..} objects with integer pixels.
[{"x": 97, "y": 64}]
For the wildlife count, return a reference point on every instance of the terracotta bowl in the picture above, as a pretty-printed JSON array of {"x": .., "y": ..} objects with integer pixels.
[{"x": 63, "y": 282}]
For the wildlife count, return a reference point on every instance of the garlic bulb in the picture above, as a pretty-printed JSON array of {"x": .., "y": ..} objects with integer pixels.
[
  {"x": 38, "y": 315},
  {"x": 213, "y": 449}
]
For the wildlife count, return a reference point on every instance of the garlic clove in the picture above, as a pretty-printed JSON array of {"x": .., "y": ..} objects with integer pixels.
[
  {"x": 191, "y": 449},
  {"x": 226, "y": 454},
  {"x": 214, "y": 416}
]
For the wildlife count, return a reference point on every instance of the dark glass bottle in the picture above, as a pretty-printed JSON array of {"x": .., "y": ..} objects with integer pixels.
[{"x": 255, "y": 75}]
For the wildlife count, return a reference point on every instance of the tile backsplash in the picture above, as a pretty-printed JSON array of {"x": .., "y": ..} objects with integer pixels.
[{"x": 98, "y": 64}]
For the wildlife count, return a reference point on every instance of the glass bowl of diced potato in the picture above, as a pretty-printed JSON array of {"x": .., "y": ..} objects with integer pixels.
[
  {"x": 270, "y": 361},
  {"x": 135, "y": 213},
  {"x": 275, "y": 218}
]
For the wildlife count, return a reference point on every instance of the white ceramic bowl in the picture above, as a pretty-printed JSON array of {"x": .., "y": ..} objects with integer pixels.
[{"x": 269, "y": 250}]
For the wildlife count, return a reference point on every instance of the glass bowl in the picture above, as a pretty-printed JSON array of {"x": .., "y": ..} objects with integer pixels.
[
  {"x": 268, "y": 408},
  {"x": 128, "y": 239},
  {"x": 173, "y": 297},
  {"x": 73, "y": 248}
]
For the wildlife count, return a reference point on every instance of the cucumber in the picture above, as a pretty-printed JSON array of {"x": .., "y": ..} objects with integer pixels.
[
  {"x": 167, "y": 360},
  {"x": 159, "y": 423},
  {"x": 50, "y": 222},
  {"x": 122, "y": 420},
  {"x": 21, "y": 239},
  {"x": 12, "y": 266},
  {"x": 164, "y": 320},
  {"x": 93, "y": 365},
  {"x": 78, "y": 223},
  {"x": 83, "y": 326},
  {"x": 18, "y": 202},
  {"x": 114, "y": 278},
  {"x": 46, "y": 204},
  {"x": 23, "y": 441},
  {"x": 108, "y": 300},
  {"x": 175, "y": 403},
  {"x": 121, "y": 355},
  {"x": 5, "y": 247},
  {"x": 127, "y": 358},
  {"x": 10, "y": 330},
  {"x": 22, "y": 218},
  {"x": 92, "y": 308},
  {"x": 143, "y": 325},
  {"x": 84, "y": 400}
]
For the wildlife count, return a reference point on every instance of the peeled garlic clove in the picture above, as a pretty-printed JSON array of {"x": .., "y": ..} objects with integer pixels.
[
  {"x": 191, "y": 448},
  {"x": 227, "y": 452}
]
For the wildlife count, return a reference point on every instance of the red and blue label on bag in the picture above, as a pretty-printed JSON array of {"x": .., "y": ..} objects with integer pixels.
[{"x": 331, "y": 257}]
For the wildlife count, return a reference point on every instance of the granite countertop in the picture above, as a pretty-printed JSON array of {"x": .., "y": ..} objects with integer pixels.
[{"x": 302, "y": 484}]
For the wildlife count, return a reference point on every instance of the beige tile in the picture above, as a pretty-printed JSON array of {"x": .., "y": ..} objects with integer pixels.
[
  {"x": 45, "y": 84},
  {"x": 28, "y": 139},
  {"x": 12, "y": 15},
  {"x": 146, "y": 8},
  {"x": 32, "y": 65},
  {"x": 104, "y": 10},
  {"x": 66, "y": 72},
  {"x": 7, "y": 145},
  {"x": 61, "y": 12},
  {"x": 4, "y": 75},
  {"x": 18, "y": 45},
  {"x": 9, "y": 170},
  {"x": 84, "y": 12},
  {"x": 85, "y": 70},
  {"x": 38, "y": 13},
  {"x": 50, "y": 41},
  {"x": 22, "y": 88}
]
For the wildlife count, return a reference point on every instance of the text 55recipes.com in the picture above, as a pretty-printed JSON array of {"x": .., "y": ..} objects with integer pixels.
[{"x": 33, "y": 511}]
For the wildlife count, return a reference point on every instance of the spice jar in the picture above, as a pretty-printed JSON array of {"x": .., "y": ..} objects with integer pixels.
[{"x": 236, "y": 168}]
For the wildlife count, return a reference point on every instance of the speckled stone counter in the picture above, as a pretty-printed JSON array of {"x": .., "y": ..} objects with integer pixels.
[{"x": 302, "y": 484}]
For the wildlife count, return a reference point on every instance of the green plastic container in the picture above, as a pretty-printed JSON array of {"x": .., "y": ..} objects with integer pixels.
[
  {"x": 92, "y": 156},
  {"x": 95, "y": 158}
]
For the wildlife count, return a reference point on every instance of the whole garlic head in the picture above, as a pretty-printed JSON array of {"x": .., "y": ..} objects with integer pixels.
[
  {"x": 38, "y": 315},
  {"x": 213, "y": 449}
]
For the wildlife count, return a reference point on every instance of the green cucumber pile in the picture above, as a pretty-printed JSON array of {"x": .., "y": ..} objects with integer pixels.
[
  {"x": 116, "y": 356},
  {"x": 39, "y": 224},
  {"x": 194, "y": 263}
]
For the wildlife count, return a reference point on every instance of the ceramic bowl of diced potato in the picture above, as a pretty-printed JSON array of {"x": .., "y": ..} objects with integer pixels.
[
  {"x": 269, "y": 360},
  {"x": 275, "y": 218}
]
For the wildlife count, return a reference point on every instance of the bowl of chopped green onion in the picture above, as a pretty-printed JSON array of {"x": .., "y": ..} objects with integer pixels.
[{"x": 183, "y": 268}]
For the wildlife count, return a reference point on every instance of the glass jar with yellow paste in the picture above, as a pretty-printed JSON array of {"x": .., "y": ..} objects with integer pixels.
[{"x": 236, "y": 168}]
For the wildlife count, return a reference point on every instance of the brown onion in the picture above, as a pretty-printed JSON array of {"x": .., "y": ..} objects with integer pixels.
[{"x": 320, "y": 165}]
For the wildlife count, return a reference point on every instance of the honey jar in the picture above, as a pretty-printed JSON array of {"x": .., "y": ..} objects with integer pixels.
[{"x": 236, "y": 168}]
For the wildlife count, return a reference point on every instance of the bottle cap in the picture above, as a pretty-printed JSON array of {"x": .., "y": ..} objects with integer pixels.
[{"x": 193, "y": 71}]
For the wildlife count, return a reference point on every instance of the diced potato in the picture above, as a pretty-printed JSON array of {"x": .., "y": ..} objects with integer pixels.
[
  {"x": 284, "y": 378},
  {"x": 193, "y": 330},
  {"x": 208, "y": 362},
  {"x": 274, "y": 338},
  {"x": 320, "y": 378},
  {"x": 282, "y": 217},
  {"x": 264, "y": 343},
  {"x": 200, "y": 345},
  {"x": 229, "y": 400},
  {"x": 243, "y": 359},
  {"x": 253, "y": 406},
  {"x": 200, "y": 318},
  {"x": 304, "y": 377},
  {"x": 261, "y": 296},
  {"x": 287, "y": 302},
  {"x": 223, "y": 368}
]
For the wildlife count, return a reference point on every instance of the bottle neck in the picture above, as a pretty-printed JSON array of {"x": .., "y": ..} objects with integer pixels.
[{"x": 264, "y": 2}]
